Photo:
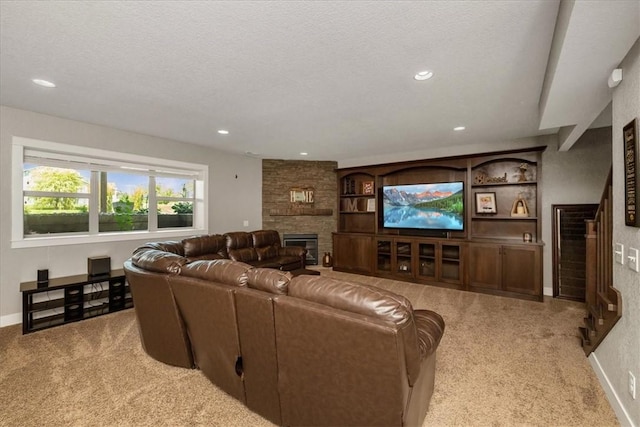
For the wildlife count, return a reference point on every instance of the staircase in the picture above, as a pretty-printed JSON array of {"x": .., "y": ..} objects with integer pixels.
[{"x": 604, "y": 302}]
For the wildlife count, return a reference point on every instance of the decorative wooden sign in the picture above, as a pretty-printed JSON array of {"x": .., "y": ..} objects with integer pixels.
[
  {"x": 368, "y": 187},
  {"x": 631, "y": 181},
  {"x": 301, "y": 195}
]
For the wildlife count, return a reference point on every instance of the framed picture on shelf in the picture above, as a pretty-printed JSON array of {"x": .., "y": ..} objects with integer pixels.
[
  {"x": 631, "y": 178},
  {"x": 486, "y": 203},
  {"x": 371, "y": 205},
  {"x": 367, "y": 187}
]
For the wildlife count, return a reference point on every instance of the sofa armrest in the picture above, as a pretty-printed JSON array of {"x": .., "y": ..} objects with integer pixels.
[
  {"x": 430, "y": 327},
  {"x": 298, "y": 251}
]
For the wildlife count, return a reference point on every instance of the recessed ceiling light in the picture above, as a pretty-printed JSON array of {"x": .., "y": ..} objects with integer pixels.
[
  {"x": 459, "y": 128},
  {"x": 423, "y": 75},
  {"x": 223, "y": 132},
  {"x": 43, "y": 83},
  {"x": 304, "y": 154}
]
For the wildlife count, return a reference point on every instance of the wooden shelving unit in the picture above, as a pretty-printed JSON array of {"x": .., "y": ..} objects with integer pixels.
[
  {"x": 73, "y": 298},
  {"x": 481, "y": 258}
]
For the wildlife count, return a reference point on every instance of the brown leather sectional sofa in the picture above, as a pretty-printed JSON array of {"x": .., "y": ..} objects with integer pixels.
[{"x": 304, "y": 350}]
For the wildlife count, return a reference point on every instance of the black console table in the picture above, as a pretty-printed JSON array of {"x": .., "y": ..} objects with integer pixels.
[{"x": 69, "y": 299}]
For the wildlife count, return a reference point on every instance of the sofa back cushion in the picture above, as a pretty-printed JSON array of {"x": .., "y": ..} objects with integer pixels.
[
  {"x": 269, "y": 280},
  {"x": 353, "y": 297},
  {"x": 266, "y": 253},
  {"x": 220, "y": 270},
  {"x": 157, "y": 260},
  {"x": 264, "y": 238},
  {"x": 213, "y": 246},
  {"x": 367, "y": 300},
  {"x": 240, "y": 246}
]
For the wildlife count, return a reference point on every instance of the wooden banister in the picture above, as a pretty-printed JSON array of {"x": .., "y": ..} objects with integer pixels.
[{"x": 603, "y": 301}]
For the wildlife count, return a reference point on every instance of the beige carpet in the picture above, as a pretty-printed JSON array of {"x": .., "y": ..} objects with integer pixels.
[{"x": 502, "y": 362}]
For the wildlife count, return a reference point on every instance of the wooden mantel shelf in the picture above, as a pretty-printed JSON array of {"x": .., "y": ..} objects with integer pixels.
[{"x": 301, "y": 211}]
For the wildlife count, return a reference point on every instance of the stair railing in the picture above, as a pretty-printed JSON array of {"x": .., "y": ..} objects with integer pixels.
[{"x": 603, "y": 301}]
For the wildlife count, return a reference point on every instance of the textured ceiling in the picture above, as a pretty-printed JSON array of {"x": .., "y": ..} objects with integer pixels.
[{"x": 330, "y": 78}]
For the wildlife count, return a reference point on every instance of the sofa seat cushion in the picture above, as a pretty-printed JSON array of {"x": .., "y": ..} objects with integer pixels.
[
  {"x": 284, "y": 260},
  {"x": 220, "y": 270},
  {"x": 206, "y": 257},
  {"x": 430, "y": 328},
  {"x": 270, "y": 263}
]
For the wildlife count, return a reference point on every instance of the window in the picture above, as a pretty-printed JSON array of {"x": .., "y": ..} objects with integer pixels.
[{"x": 70, "y": 194}]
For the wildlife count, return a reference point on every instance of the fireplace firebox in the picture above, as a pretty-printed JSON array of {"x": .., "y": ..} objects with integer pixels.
[{"x": 307, "y": 241}]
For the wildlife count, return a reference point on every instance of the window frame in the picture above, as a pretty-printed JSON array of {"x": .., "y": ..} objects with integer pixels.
[{"x": 116, "y": 162}]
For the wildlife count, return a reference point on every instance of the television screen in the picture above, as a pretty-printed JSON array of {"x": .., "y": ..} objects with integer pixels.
[{"x": 433, "y": 206}]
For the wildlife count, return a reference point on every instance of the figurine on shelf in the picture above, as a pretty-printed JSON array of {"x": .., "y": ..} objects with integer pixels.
[
  {"x": 523, "y": 169},
  {"x": 520, "y": 208}
]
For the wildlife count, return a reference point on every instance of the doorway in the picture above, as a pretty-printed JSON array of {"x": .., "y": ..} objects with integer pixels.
[{"x": 569, "y": 246}]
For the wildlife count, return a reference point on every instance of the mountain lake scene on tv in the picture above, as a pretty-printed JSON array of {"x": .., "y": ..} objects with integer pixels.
[{"x": 431, "y": 206}]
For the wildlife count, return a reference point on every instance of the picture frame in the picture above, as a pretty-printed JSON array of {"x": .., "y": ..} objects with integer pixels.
[
  {"x": 631, "y": 177},
  {"x": 371, "y": 205},
  {"x": 368, "y": 187},
  {"x": 486, "y": 203}
]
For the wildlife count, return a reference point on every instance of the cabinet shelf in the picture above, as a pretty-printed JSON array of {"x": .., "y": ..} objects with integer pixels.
[
  {"x": 356, "y": 212},
  {"x": 350, "y": 196},
  {"x": 502, "y": 184},
  {"x": 504, "y": 218}
]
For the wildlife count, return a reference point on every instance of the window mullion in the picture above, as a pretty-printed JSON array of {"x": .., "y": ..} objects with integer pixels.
[
  {"x": 94, "y": 205},
  {"x": 153, "y": 205}
]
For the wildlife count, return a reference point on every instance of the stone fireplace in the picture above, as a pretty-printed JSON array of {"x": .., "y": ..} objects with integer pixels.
[{"x": 279, "y": 213}]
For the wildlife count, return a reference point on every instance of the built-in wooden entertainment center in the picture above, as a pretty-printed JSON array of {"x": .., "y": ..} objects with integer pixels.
[{"x": 499, "y": 250}]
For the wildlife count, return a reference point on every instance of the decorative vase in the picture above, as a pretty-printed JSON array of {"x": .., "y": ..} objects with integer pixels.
[{"x": 327, "y": 261}]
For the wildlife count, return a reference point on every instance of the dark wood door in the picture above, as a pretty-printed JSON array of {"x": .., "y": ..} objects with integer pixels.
[{"x": 569, "y": 246}]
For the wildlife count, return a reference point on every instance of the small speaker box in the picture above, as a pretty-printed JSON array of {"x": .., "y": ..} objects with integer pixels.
[
  {"x": 43, "y": 276},
  {"x": 99, "y": 265}
]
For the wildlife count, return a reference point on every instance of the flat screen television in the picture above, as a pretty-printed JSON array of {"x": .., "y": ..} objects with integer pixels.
[{"x": 430, "y": 206}]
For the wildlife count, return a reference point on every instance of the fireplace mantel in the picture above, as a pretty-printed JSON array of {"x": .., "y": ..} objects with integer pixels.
[{"x": 295, "y": 211}]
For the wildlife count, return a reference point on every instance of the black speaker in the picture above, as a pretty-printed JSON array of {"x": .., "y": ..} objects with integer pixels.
[
  {"x": 99, "y": 265},
  {"x": 43, "y": 276}
]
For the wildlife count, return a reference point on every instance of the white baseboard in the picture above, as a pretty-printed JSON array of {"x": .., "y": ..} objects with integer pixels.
[
  {"x": 10, "y": 319},
  {"x": 622, "y": 414}
]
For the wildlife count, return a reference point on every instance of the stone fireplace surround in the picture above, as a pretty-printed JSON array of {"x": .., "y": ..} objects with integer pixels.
[{"x": 278, "y": 177}]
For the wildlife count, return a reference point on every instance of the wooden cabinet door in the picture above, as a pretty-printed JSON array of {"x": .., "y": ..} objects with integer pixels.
[
  {"x": 521, "y": 269},
  {"x": 450, "y": 263},
  {"x": 485, "y": 266},
  {"x": 403, "y": 263},
  {"x": 353, "y": 252}
]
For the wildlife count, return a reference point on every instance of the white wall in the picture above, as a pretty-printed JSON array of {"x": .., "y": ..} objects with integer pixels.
[
  {"x": 619, "y": 353},
  {"x": 231, "y": 200},
  {"x": 572, "y": 177}
]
